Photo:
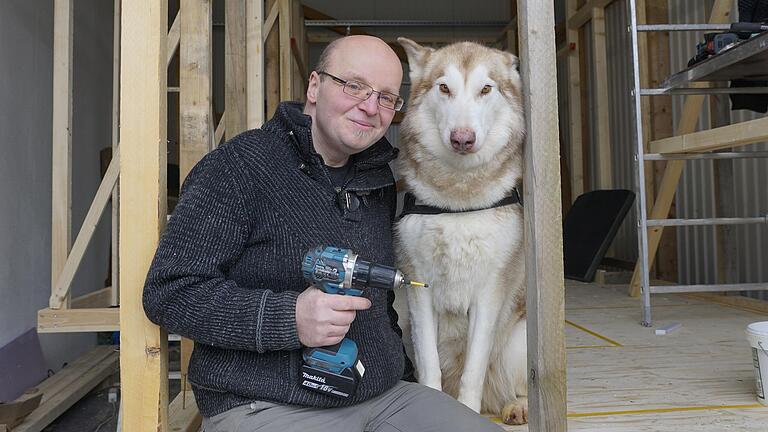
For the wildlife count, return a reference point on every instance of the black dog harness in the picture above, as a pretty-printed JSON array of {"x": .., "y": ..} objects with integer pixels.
[{"x": 410, "y": 206}]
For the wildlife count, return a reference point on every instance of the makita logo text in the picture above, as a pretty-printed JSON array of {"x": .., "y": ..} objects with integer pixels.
[{"x": 313, "y": 377}]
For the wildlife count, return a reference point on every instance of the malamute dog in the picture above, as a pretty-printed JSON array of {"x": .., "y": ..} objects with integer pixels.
[{"x": 461, "y": 158}]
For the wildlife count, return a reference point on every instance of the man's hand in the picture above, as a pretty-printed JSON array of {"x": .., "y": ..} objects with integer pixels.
[{"x": 323, "y": 319}]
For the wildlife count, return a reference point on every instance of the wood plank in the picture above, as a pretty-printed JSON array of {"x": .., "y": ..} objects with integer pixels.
[
  {"x": 235, "y": 68},
  {"x": 299, "y": 52},
  {"x": 286, "y": 60},
  {"x": 143, "y": 121},
  {"x": 543, "y": 235},
  {"x": 602, "y": 110},
  {"x": 739, "y": 134},
  {"x": 584, "y": 14},
  {"x": 173, "y": 40},
  {"x": 269, "y": 22},
  {"x": 103, "y": 194},
  {"x": 114, "y": 299},
  {"x": 255, "y": 64},
  {"x": 96, "y": 299},
  {"x": 218, "y": 135},
  {"x": 195, "y": 134},
  {"x": 721, "y": 11},
  {"x": 61, "y": 157},
  {"x": 271, "y": 60},
  {"x": 78, "y": 320},
  {"x": 574, "y": 108},
  {"x": 69, "y": 385},
  {"x": 183, "y": 415}
]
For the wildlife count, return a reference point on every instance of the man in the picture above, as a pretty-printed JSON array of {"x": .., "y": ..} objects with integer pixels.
[{"x": 227, "y": 270}]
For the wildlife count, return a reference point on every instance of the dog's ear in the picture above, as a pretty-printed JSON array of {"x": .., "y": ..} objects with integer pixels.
[
  {"x": 417, "y": 56},
  {"x": 513, "y": 62}
]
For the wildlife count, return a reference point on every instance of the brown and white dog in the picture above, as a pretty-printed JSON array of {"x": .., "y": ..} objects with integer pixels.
[{"x": 462, "y": 150}]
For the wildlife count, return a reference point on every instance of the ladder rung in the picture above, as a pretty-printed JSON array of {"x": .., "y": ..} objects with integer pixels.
[
  {"x": 706, "y": 221},
  {"x": 663, "y": 91},
  {"x": 668, "y": 289},
  {"x": 682, "y": 27},
  {"x": 697, "y": 156}
]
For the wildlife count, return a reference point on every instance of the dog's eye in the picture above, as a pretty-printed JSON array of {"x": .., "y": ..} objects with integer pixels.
[
  {"x": 444, "y": 89},
  {"x": 486, "y": 89}
]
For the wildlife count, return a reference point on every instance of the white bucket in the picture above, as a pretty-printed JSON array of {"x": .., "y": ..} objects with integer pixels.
[{"x": 757, "y": 335}]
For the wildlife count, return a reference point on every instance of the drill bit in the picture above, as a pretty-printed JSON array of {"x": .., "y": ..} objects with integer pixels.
[{"x": 418, "y": 284}]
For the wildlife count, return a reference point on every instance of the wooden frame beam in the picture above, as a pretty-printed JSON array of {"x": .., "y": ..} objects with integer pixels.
[
  {"x": 99, "y": 203},
  {"x": 235, "y": 69},
  {"x": 574, "y": 103},
  {"x": 143, "y": 122},
  {"x": 602, "y": 99},
  {"x": 584, "y": 14},
  {"x": 78, "y": 320},
  {"x": 739, "y": 134},
  {"x": 61, "y": 157},
  {"x": 254, "y": 80},
  {"x": 543, "y": 232}
]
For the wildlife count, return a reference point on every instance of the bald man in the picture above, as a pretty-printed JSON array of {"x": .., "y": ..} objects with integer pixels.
[{"x": 226, "y": 273}]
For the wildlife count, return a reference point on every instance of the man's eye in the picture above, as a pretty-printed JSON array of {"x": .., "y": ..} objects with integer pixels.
[
  {"x": 388, "y": 98},
  {"x": 356, "y": 86}
]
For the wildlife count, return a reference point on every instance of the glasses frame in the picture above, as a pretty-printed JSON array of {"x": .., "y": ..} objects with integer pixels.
[{"x": 399, "y": 101}]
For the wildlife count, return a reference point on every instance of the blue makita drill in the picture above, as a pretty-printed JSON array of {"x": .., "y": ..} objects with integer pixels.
[{"x": 335, "y": 370}]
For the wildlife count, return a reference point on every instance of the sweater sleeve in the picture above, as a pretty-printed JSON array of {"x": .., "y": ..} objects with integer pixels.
[{"x": 187, "y": 291}]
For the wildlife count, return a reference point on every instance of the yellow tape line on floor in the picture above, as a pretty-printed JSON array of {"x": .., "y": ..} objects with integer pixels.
[
  {"x": 652, "y": 411},
  {"x": 595, "y": 334}
]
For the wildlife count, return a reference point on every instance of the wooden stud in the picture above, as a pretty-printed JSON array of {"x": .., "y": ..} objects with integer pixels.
[
  {"x": 255, "y": 64},
  {"x": 271, "y": 59},
  {"x": 115, "y": 264},
  {"x": 183, "y": 415},
  {"x": 286, "y": 61},
  {"x": 143, "y": 121},
  {"x": 543, "y": 235},
  {"x": 61, "y": 171},
  {"x": 235, "y": 68},
  {"x": 78, "y": 320},
  {"x": 61, "y": 289},
  {"x": 602, "y": 100},
  {"x": 174, "y": 35},
  {"x": 574, "y": 112},
  {"x": 101, "y": 298},
  {"x": 584, "y": 13},
  {"x": 195, "y": 134},
  {"x": 721, "y": 11}
]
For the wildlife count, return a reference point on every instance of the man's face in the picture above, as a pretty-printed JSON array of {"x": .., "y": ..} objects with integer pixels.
[{"x": 343, "y": 124}]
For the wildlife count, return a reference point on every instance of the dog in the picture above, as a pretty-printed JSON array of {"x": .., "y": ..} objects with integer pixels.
[{"x": 461, "y": 152}]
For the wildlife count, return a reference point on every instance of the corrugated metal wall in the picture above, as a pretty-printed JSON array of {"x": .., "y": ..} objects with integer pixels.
[
  {"x": 697, "y": 246},
  {"x": 695, "y": 196}
]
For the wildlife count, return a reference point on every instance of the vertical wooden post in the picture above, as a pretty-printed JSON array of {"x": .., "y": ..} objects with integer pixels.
[
  {"x": 61, "y": 157},
  {"x": 235, "y": 68},
  {"x": 574, "y": 103},
  {"x": 602, "y": 101},
  {"x": 196, "y": 136},
  {"x": 272, "y": 62},
  {"x": 143, "y": 121},
  {"x": 543, "y": 232},
  {"x": 115, "y": 264},
  {"x": 255, "y": 63},
  {"x": 286, "y": 59}
]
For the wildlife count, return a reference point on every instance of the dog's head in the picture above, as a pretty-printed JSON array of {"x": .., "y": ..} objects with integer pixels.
[{"x": 465, "y": 104}]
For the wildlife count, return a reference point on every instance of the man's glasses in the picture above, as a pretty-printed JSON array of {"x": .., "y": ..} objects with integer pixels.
[{"x": 363, "y": 91}]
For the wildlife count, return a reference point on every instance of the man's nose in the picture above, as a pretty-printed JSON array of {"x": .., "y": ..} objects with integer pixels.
[{"x": 370, "y": 105}]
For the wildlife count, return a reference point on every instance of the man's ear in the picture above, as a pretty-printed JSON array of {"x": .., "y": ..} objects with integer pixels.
[
  {"x": 417, "y": 57},
  {"x": 312, "y": 86}
]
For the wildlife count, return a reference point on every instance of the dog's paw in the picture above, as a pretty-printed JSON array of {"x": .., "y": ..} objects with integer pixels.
[{"x": 515, "y": 413}]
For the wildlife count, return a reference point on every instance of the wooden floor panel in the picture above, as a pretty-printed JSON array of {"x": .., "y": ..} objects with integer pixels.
[{"x": 624, "y": 377}]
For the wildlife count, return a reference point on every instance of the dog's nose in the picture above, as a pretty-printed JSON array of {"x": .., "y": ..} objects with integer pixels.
[{"x": 462, "y": 139}]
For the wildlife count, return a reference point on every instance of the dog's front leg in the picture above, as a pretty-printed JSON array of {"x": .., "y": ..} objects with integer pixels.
[
  {"x": 483, "y": 315},
  {"x": 424, "y": 336}
]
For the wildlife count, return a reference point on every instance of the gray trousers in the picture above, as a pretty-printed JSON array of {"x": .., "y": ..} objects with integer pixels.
[{"x": 407, "y": 407}]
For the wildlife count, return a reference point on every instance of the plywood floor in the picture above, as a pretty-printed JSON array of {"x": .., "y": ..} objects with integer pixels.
[{"x": 622, "y": 377}]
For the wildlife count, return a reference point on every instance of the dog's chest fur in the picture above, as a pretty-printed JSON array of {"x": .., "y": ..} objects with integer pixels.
[{"x": 461, "y": 255}]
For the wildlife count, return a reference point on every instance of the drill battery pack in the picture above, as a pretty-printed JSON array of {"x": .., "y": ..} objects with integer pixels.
[{"x": 341, "y": 385}]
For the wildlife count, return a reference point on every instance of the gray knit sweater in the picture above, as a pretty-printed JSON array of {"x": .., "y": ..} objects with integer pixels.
[{"x": 228, "y": 267}]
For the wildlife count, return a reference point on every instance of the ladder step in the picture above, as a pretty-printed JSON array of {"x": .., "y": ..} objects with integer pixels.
[
  {"x": 698, "y": 156},
  {"x": 707, "y": 221},
  {"x": 668, "y": 289}
]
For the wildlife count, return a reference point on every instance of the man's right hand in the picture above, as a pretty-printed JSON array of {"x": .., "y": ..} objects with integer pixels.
[{"x": 323, "y": 319}]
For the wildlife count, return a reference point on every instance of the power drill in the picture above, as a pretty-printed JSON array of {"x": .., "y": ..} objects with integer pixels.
[{"x": 335, "y": 370}]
